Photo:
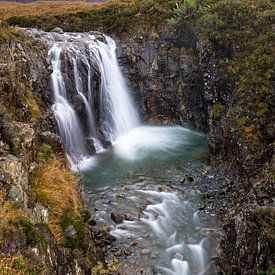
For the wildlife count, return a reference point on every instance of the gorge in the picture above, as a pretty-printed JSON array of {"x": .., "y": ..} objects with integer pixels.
[
  {"x": 175, "y": 173},
  {"x": 83, "y": 55}
]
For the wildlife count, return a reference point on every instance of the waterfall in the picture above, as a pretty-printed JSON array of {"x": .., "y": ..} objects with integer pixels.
[
  {"x": 120, "y": 116},
  {"x": 67, "y": 121},
  {"x": 93, "y": 107},
  {"x": 79, "y": 60}
]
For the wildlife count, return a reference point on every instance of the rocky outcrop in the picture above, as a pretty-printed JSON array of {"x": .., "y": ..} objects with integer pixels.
[
  {"x": 165, "y": 79},
  {"x": 181, "y": 79},
  {"x": 28, "y": 141}
]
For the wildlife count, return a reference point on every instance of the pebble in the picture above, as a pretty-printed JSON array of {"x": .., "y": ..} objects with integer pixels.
[{"x": 145, "y": 251}]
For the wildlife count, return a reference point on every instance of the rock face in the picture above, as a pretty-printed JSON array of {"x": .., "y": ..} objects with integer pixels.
[
  {"x": 178, "y": 79},
  {"x": 165, "y": 79},
  {"x": 26, "y": 126}
]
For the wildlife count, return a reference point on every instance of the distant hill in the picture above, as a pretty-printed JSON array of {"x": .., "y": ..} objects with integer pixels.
[{"x": 30, "y": 1}]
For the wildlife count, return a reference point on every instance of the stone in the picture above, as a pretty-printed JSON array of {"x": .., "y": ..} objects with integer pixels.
[
  {"x": 57, "y": 30},
  {"x": 129, "y": 217},
  {"x": 117, "y": 218},
  {"x": 17, "y": 194},
  {"x": 39, "y": 214},
  {"x": 70, "y": 231},
  {"x": 145, "y": 251},
  {"x": 5, "y": 180},
  {"x": 92, "y": 222},
  {"x": 127, "y": 252}
]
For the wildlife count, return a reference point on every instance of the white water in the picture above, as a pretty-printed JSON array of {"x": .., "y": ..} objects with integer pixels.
[
  {"x": 67, "y": 121},
  {"x": 164, "y": 216},
  {"x": 120, "y": 124},
  {"x": 120, "y": 115},
  {"x": 117, "y": 113}
]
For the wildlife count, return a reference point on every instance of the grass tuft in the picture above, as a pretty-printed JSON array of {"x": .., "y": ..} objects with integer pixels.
[{"x": 56, "y": 188}]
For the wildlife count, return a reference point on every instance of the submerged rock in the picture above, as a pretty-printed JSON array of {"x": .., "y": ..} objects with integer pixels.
[{"x": 57, "y": 30}]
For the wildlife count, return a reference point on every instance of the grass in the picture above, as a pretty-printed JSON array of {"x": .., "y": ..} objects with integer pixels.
[
  {"x": 16, "y": 231},
  {"x": 56, "y": 188},
  {"x": 9, "y": 214},
  {"x": 13, "y": 265},
  {"x": 113, "y": 17},
  {"x": 46, "y": 8}
]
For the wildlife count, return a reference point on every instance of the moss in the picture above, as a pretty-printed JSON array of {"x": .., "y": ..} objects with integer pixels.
[
  {"x": 155, "y": 36},
  {"x": 78, "y": 240},
  {"x": 100, "y": 268},
  {"x": 218, "y": 110},
  {"x": 28, "y": 228},
  {"x": 266, "y": 221},
  {"x": 45, "y": 153},
  {"x": 86, "y": 215},
  {"x": 34, "y": 107}
]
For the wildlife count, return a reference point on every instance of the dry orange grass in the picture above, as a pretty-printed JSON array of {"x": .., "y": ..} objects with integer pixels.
[
  {"x": 56, "y": 188},
  {"x": 8, "y": 9},
  {"x": 11, "y": 265},
  {"x": 9, "y": 213}
]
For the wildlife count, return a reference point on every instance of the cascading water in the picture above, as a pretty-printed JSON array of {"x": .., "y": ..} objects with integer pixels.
[
  {"x": 65, "y": 115},
  {"x": 76, "y": 58},
  {"x": 120, "y": 116},
  {"x": 103, "y": 111}
]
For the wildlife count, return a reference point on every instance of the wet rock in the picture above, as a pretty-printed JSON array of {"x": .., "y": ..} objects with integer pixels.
[
  {"x": 202, "y": 207},
  {"x": 90, "y": 146},
  {"x": 118, "y": 253},
  {"x": 178, "y": 256},
  {"x": 102, "y": 236},
  {"x": 245, "y": 246},
  {"x": 17, "y": 194},
  {"x": 129, "y": 217},
  {"x": 133, "y": 243},
  {"x": 57, "y": 30},
  {"x": 70, "y": 231},
  {"x": 117, "y": 218},
  {"x": 127, "y": 253},
  {"x": 92, "y": 222},
  {"x": 145, "y": 251},
  {"x": 187, "y": 178},
  {"x": 39, "y": 214}
]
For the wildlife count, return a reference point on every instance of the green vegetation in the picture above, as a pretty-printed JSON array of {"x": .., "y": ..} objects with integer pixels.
[
  {"x": 56, "y": 188},
  {"x": 218, "y": 110},
  {"x": 16, "y": 230},
  {"x": 183, "y": 11},
  {"x": 76, "y": 241},
  {"x": 115, "y": 17},
  {"x": 246, "y": 27},
  {"x": 266, "y": 221},
  {"x": 112, "y": 266}
]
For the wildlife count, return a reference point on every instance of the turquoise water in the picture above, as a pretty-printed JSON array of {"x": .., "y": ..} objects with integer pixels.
[{"x": 145, "y": 154}]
